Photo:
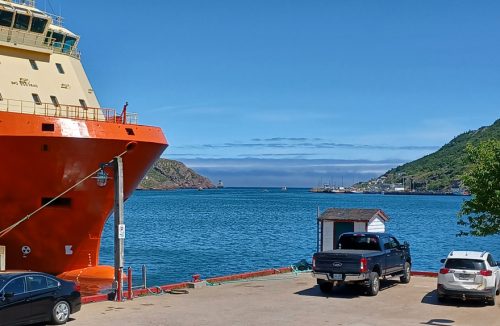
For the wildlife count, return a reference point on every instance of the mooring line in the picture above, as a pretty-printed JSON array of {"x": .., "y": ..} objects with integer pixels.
[{"x": 27, "y": 217}]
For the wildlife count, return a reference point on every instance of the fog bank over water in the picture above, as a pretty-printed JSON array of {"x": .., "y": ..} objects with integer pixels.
[{"x": 250, "y": 172}]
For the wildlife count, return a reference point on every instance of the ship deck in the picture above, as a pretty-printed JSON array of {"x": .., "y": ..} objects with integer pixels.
[{"x": 289, "y": 299}]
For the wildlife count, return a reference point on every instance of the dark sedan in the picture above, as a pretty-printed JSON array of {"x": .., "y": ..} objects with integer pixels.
[{"x": 32, "y": 297}]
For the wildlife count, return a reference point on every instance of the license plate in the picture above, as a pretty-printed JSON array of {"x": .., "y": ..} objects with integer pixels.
[
  {"x": 464, "y": 276},
  {"x": 337, "y": 277}
]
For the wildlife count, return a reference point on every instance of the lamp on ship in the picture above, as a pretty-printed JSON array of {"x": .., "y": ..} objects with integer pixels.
[
  {"x": 102, "y": 178},
  {"x": 101, "y": 175}
]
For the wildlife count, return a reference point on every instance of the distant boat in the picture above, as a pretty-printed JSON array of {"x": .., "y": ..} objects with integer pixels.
[
  {"x": 284, "y": 189},
  {"x": 200, "y": 188},
  {"x": 220, "y": 185}
]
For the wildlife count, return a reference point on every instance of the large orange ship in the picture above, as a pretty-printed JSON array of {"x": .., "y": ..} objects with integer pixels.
[{"x": 54, "y": 136}]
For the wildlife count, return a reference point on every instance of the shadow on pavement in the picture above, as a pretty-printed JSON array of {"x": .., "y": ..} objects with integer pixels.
[
  {"x": 439, "y": 322},
  {"x": 346, "y": 291},
  {"x": 431, "y": 298}
]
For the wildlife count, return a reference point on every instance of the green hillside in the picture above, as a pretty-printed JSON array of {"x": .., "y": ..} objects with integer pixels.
[
  {"x": 437, "y": 171},
  {"x": 170, "y": 174}
]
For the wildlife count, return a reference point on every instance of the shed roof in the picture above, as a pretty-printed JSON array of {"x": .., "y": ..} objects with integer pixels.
[{"x": 353, "y": 214}]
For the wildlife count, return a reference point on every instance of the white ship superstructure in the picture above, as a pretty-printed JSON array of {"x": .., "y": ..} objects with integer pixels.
[{"x": 40, "y": 68}]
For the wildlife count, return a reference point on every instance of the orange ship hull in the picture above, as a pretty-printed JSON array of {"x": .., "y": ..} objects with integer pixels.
[{"x": 44, "y": 156}]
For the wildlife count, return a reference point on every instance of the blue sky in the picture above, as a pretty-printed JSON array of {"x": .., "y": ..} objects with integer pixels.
[{"x": 273, "y": 93}]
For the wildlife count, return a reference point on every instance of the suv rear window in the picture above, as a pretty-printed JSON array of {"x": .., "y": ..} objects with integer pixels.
[{"x": 471, "y": 264}]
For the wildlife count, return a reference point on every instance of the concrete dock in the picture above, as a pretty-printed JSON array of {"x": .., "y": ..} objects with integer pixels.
[{"x": 290, "y": 299}]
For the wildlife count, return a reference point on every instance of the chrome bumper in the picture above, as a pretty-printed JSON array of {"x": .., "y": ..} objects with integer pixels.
[{"x": 345, "y": 277}]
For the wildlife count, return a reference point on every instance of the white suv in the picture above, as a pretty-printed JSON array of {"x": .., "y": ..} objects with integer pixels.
[{"x": 469, "y": 274}]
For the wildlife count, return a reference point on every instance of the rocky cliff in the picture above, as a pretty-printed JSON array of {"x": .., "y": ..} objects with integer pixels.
[{"x": 170, "y": 174}]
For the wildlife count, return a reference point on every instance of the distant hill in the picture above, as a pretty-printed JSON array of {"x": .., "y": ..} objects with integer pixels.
[
  {"x": 170, "y": 174},
  {"x": 439, "y": 170}
]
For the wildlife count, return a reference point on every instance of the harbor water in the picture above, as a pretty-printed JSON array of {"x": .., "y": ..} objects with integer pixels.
[{"x": 224, "y": 231}]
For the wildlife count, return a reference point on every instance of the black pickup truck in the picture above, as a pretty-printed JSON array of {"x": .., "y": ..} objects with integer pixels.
[{"x": 362, "y": 258}]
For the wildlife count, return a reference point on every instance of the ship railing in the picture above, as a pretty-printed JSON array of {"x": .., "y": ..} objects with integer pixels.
[
  {"x": 67, "y": 111},
  {"x": 30, "y": 3},
  {"x": 15, "y": 36}
]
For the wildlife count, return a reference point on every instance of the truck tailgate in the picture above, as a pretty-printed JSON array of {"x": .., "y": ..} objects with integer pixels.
[{"x": 341, "y": 261}]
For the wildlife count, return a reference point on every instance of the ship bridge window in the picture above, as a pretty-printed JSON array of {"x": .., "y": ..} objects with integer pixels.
[
  {"x": 36, "y": 98},
  {"x": 48, "y": 38},
  {"x": 57, "y": 39},
  {"x": 6, "y": 18},
  {"x": 22, "y": 22},
  {"x": 69, "y": 42},
  {"x": 38, "y": 25},
  {"x": 60, "y": 68}
]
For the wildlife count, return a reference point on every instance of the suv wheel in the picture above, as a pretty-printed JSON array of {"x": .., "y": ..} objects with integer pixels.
[
  {"x": 406, "y": 273},
  {"x": 491, "y": 301},
  {"x": 373, "y": 284}
]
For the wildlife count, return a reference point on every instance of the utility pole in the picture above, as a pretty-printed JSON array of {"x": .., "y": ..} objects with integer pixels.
[{"x": 119, "y": 226}]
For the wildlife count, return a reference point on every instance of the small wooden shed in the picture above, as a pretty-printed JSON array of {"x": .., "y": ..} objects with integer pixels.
[{"x": 335, "y": 221}]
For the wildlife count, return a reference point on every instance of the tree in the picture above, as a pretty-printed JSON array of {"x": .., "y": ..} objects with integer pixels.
[{"x": 481, "y": 213}]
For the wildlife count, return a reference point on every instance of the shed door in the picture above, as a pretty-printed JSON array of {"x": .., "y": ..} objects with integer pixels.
[{"x": 342, "y": 227}]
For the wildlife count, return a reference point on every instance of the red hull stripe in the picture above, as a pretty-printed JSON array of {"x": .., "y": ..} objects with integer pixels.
[
  {"x": 243, "y": 276},
  {"x": 426, "y": 274}
]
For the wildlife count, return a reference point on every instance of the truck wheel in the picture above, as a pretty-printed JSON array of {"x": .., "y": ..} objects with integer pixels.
[
  {"x": 374, "y": 284},
  {"x": 326, "y": 287},
  {"x": 406, "y": 274}
]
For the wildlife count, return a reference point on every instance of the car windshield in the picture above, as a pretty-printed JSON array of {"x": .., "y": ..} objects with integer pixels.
[
  {"x": 471, "y": 264},
  {"x": 358, "y": 242}
]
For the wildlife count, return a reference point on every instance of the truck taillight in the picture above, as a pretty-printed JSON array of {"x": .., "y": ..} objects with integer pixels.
[
  {"x": 314, "y": 262},
  {"x": 485, "y": 272},
  {"x": 444, "y": 271},
  {"x": 363, "y": 266}
]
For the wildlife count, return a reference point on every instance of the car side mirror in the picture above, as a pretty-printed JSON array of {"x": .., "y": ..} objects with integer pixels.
[{"x": 442, "y": 261}]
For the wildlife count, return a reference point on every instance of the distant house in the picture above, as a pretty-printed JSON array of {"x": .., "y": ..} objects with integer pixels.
[{"x": 335, "y": 221}]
